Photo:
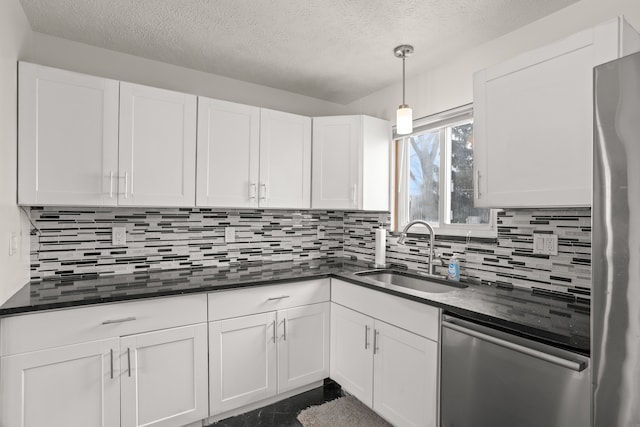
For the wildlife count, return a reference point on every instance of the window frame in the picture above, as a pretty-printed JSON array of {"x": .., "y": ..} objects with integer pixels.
[{"x": 400, "y": 187}]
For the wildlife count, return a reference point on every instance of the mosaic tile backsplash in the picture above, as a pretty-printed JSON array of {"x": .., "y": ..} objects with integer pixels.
[
  {"x": 76, "y": 242},
  {"x": 507, "y": 260}
]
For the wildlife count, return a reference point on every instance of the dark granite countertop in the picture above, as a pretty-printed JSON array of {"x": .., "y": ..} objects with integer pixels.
[{"x": 556, "y": 321}]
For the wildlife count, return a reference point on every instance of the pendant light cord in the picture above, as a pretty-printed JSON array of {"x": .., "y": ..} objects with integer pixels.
[{"x": 403, "y": 58}]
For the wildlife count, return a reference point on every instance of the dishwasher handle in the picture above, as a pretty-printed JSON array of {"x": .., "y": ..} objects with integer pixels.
[{"x": 574, "y": 365}]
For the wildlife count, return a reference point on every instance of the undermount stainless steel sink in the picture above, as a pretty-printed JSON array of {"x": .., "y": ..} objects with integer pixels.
[{"x": 412, "y": 281}]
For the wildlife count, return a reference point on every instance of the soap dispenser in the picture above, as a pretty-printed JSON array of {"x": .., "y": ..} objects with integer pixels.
[{"x": 454, "y": 269}]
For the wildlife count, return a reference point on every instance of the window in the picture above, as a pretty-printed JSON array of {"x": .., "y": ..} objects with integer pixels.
[{"x": 434, "y": 176}]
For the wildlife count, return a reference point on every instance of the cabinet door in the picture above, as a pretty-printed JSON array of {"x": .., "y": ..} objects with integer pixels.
[
  {"x": 405, "y": 377},
  {"x": 75, "y": 385},
  {"x": 157, "y": 156},
  {"x": 533, "y": 123},
  {"x": 285, "y": 160},
  {"x": 242, "y": 361},
  {"x": 303, "y": 345},
  {"x": 228, "y": 154},
  {"x": 337, "y": 162},
  {"x": 164, "y": 377},
  {"x": 67, "y": 138},
  {"x": 352, "y": 352}
]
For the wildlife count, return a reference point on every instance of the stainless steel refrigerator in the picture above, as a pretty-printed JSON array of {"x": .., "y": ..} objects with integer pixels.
[{"x": 615, "y": 317}]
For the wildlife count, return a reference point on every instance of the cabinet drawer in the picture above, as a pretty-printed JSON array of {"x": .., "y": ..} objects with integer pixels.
[
  {"x": 260, "y": 299},
  {"x": 413, "y": 316},
  {"x": 62, "y": 327}
]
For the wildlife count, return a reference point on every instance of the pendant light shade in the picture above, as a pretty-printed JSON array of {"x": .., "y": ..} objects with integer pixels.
[
  {"x": 404, "y": 120},
  {"x": 404, "y": 114}
]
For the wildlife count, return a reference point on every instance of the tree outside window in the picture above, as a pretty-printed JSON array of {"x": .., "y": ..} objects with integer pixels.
[{"x": 435, "y": 177}]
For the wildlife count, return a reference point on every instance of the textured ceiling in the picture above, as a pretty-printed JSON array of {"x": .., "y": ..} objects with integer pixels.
[{"x": 337, "y": 50}]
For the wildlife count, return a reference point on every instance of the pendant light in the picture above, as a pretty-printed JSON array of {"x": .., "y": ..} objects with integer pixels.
[{"x": 404, "y": 114}]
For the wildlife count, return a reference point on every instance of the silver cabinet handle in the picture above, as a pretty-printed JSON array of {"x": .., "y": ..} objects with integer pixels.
[
  {"x": 111, "y": 362},
  {"x": 131, "y": 192},
  {"x": 126, "y": 319},
  {"x": 274, "y": 331},
  {"x": 126, "y": 184},
  {"x": 478, "y": 183},
  {"x": 284, "y": 326},
  {"x": 354, "y": 195},
  {"x": 375, "y": 341},
  {"x": 262, "y": 194},
  {"x": 277, "y": 298},
  {"x": 111, "y": 184},
  {"x": 366, "y": 336},
  {"x": 252, "y": 191},
  {"x": 129, "y": 360},
  {"x": 577, "y": 366}
]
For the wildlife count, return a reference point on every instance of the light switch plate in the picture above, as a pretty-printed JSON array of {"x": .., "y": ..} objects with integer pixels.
[
  {"x": 118, "y": 236},
  {"x": 229, "y": 234},
  {"x": 545, "y": 244}
]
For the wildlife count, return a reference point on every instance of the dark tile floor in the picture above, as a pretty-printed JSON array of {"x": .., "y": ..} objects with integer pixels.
[{"x": 284, "y": 413}]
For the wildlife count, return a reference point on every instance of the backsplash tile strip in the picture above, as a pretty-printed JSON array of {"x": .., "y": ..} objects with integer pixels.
[
  {"x": 505, "y": 261},
  {"x": 76, "y": 242}
]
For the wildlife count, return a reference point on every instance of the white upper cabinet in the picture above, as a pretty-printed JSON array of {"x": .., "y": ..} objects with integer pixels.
[
  {"x": 68, "y": 138},
  {"x": 252, "y": 157},
  {"x": 157, "y": 147},
  {"x": 90, "y": 141},
  {"x": 285, "y": 160},
  {"x": 350, "y": 163},
  {"x": 533, "y": 120},
  {"x": 228, "y": 154}
]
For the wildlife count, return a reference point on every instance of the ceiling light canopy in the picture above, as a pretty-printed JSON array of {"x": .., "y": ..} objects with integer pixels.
[{"x": 404, "y": 114}]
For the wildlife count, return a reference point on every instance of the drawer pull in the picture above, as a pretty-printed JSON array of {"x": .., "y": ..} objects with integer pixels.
[
  {"x": 278, "y": 298},
  {"x": 129, "y": 360},
  {"x": 111, "y": 351},
  {"x": 375, "y": 341},
  {"x": 126, "y": 319},
  {"x": 284, "y": 326}
]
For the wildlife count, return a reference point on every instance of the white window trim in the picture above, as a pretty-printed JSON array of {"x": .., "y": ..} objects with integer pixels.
[{"x": 489, "y": 230}]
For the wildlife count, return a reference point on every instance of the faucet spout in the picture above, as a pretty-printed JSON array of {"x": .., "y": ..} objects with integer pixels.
[{"x": 403, "y": 236}]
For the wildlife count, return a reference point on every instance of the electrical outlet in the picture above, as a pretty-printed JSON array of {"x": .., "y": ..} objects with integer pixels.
[
  {"x": 229, "y": 234},
  {"x": 13, "y": 243},
  {"x": 118, "y": 236},
  {"x": 545, "y": 244}
]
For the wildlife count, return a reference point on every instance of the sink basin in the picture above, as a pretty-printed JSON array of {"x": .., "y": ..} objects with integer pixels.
[{"x": 411, "y": 281}]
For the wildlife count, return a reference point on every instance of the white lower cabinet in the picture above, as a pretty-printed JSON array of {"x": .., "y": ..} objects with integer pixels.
[
  {"x": 163, "y": 377},
  {"x": 74, "y": 385},
  {"x": 392, "y": 369},
  {"x": 158, "y": 363},
  {"x": 303, "y": 351},
  {"x": 242, "y": 358},
  {"x": 107, "y": 369},
  {"x": 258, "y": 356},
  {"x": 405, "y": 376},
  {"x": 351, "y": 352}
]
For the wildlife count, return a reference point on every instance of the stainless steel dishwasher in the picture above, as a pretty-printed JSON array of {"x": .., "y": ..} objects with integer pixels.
[{"x": 491, "y": 378}]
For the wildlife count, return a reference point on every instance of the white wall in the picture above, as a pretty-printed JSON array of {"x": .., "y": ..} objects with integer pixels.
[
  {"x": 450, "y": 85},
  {"x": 80, "y": 57},
  {"x": 15, "y": 35}
]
